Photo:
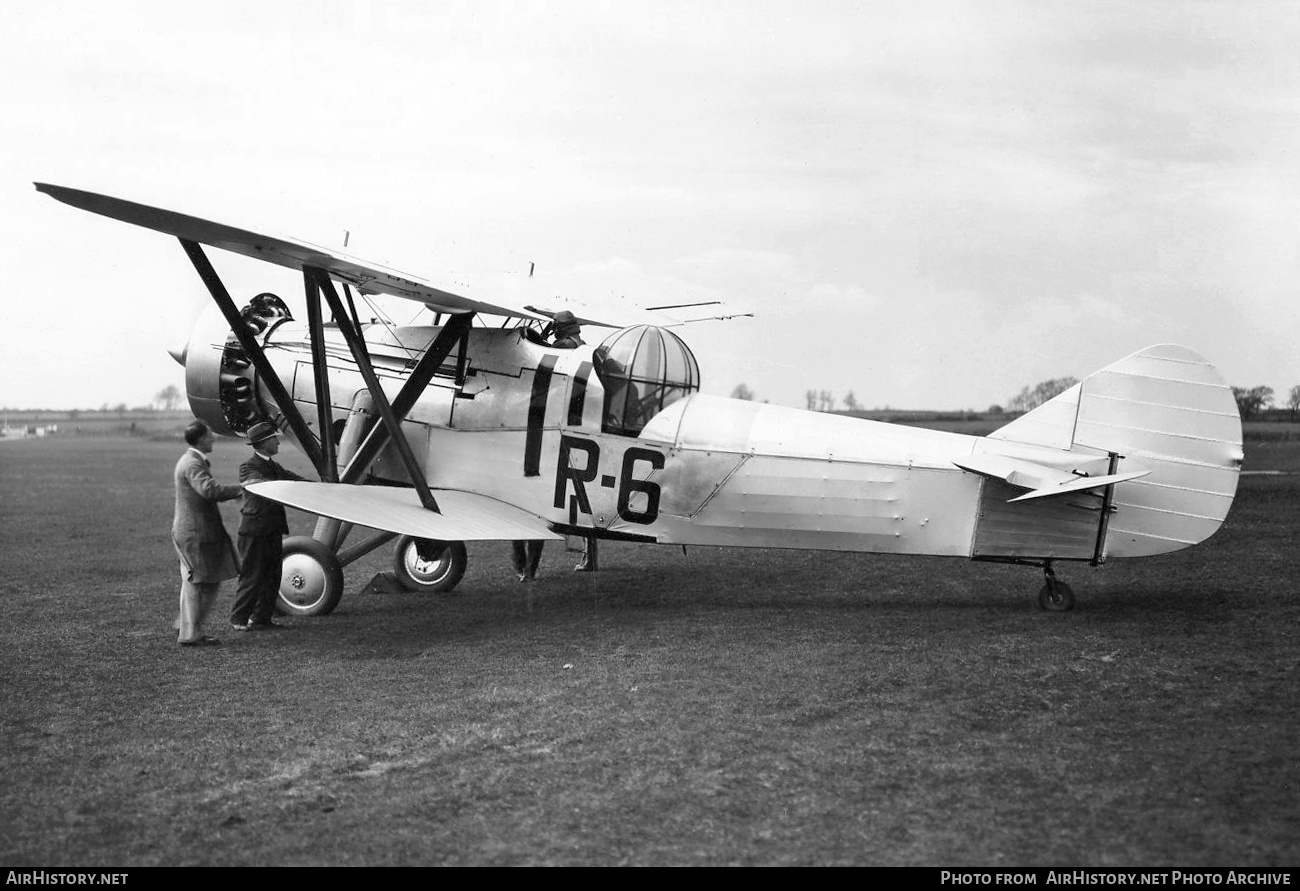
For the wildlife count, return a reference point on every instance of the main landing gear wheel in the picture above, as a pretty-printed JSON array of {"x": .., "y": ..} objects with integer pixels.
[
  {"x": 425, "y": 565},
  {"x": 1057, "y": 597},
  {"x": 311, "y": 578}
]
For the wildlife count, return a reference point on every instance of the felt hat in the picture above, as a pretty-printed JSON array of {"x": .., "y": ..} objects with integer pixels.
[{"x": 260, "y": 431}]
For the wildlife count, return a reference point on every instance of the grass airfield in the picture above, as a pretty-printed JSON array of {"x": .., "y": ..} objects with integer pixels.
[{"x": 718, "y": 707}]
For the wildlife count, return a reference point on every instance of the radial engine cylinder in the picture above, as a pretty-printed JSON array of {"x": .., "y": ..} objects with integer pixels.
[{"x": 220, "y": 379}]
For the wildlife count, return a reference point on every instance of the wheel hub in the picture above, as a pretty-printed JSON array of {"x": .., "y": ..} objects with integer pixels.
[{"x": 303, "y": 584}]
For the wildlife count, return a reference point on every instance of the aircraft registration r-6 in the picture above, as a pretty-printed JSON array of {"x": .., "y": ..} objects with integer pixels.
[{"x": 460, "y": 431}]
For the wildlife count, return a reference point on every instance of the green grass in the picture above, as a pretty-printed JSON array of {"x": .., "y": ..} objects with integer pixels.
[{"x": 707, "y": 708}]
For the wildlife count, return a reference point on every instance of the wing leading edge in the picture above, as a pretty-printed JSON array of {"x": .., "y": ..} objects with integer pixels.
[
  {"x": 465, "y": 516},
  {"x": 368, "y": 278}
]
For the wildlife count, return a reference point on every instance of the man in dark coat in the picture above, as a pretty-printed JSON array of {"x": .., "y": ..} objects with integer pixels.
[
  {"x": 262, "y": 527},
  {"x": 206, "y": 554}
]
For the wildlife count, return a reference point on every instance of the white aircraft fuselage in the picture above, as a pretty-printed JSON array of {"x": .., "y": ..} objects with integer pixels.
[
  {"x": 528, "y": 425},
  {"x": 511, "y": 439}
]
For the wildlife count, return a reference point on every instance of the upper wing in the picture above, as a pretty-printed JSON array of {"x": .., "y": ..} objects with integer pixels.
[
  {"x": 465, "y": 516},
  {"x": 368, "y": 278},
  {"x": 670, "y": 316}
]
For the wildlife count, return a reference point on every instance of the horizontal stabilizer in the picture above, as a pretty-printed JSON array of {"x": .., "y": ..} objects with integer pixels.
[
  {"x": 1017, "y": 471},
  {"x": 1081, "y": 483},
  {"x": 1042, "y": 481},
  {"x": 465, "y": 516}
]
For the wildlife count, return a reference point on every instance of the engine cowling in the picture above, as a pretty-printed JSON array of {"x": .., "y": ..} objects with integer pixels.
[{"x": 220, "y": 380}]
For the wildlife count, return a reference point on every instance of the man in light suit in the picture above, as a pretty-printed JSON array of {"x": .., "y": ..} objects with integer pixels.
[
  {"x": 262, "y": 527},
  {"x": 206, "y": 554}
]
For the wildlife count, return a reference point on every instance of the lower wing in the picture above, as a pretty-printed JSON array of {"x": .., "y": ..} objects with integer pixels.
[{"x": 465, "y": 516}]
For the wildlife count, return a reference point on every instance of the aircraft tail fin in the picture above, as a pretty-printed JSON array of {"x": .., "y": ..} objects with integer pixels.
[{"x": 1164, "y": 410}]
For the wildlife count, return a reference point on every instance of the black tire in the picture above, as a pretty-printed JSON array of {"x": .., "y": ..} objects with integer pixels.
[
  {"x": 311, "y": 578},
  {"x": 442, "y": 573},
  {"x": 1056, "y": 597}
]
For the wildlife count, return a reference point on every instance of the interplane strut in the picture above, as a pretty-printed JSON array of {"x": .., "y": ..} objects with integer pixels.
[
  {"x": 253, "y": 350},
  {"x": 390, "y": 421},
  {"x": 320, "y": 450},
  {"x": 452, "y": 333},
  {"x": 324, "y": 412}
]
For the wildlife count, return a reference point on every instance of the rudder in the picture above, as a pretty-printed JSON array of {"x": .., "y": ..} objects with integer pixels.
[{"x": 1164, "y": 409}]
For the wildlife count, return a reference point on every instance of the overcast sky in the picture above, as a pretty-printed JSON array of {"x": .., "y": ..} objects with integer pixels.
[{"x": 930, "y": 204}]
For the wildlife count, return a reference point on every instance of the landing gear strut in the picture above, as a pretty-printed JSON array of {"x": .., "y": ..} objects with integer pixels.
[{"x": 1055, "y": 596}]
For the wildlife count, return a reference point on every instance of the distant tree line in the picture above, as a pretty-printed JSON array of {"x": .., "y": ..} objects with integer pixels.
[
  {"x": 169, "y": 397},
  {"x": 1251, "y": 401},
  {"x": 1030, "y": 398}
]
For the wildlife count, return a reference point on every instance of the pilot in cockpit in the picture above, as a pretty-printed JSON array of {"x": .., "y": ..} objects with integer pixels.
[
  {"x": 566, "y": 331},
  {"x": 563, "y": 327}
]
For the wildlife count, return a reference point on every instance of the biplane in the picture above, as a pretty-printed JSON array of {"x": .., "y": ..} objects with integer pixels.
[{"x": 459, "y": 430}]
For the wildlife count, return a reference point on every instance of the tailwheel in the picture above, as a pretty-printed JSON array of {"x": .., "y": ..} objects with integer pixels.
[
  {"x": 1055, "y": 596},
  {"x": 311, "y": 578},
  {"x": 422, "y": 564}
]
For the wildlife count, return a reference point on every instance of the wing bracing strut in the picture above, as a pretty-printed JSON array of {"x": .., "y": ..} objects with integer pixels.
[
  {"x": 389, "y": 420},
  {"x": 453, "y": 332},
  {"x": 320, "y": 372},
  {"x": 253, "y": 349}
]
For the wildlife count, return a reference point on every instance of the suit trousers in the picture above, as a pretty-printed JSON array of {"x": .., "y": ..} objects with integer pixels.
[
  {"x": 259, "y": 578},
  {"x": 197, "y": 599},
  {"x": 526, "y": 555}
]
